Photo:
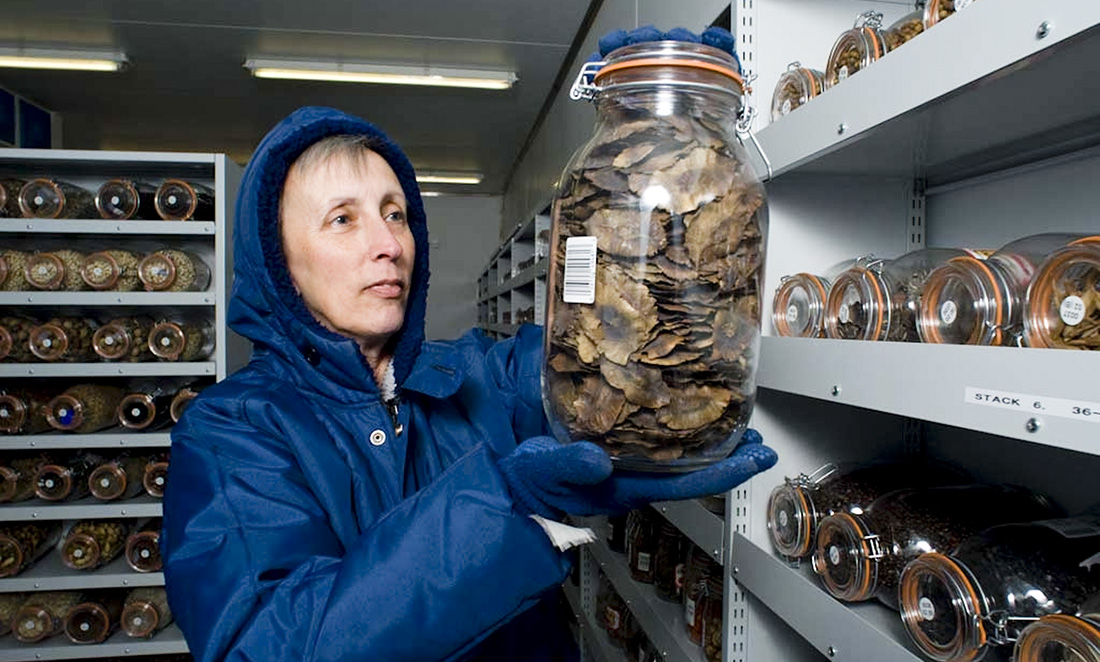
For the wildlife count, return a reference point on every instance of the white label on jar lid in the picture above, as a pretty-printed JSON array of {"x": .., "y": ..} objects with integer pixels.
[
  {"x": 28, "y": 625},
  {"x": 962, "y": 4},
  {"x": 792, "y": 313},
  {"x": 38, "y": 200},
  {"x": 43, "y": 270},
  {"x": 115, "y": 200},
  {"x": 78, "y": 553},
  {"x": 137, "y": 621},
  {"x": 109, "y": 340},
  {"x": 834, "y": 555},
  {"x": 1072, "y": 310},
  {"x": 843, "y": 315},
  {"x": 783, "y": 518},
  {"x": 786, "y": 109},
  {"x": 159, "y": 480},
  {"x": 49, "y": 483},
  {"x": 948, "y": 312},
  {"x": 136, "y": 411},
  {"x": 84, "y": 627},
  {"x": 171, "y": 199},
  {"x": 842, "y": 74},
  {"x": 4, "y": 413},
  {"x": 63, "y": 413},
  {"x": 165, "y": 341},
  {"x": 926, "y": 609},
  {"x": 579, "y": 279},
  {"x": 105, "y": 482},
  {"x": 144, "y": 554},
  {"x": 46, "y": 342}
]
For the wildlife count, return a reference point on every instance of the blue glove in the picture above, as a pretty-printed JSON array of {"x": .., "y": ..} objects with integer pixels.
[
  {"x": 717, "y": 37},
  {"x": 548, "y": 478}
]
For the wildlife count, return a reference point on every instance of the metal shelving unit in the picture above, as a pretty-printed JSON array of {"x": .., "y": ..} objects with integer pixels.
[
  {"x": 513, "y": 282},
  {"x": 210, "y": 241}
]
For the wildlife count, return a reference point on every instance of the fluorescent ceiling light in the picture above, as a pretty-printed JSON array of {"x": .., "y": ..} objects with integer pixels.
[
  {"x": 470, "y": 178},
  {"x": 42, "y": 58},
  {"x": 349, "y": 72}
]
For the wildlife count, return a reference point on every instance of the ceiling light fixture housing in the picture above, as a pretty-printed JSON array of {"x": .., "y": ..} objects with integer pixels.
[
  {"x": 62, "y": 59},
  {"x": 387, "y": 74},
  {"x": 455, "y": 178}
]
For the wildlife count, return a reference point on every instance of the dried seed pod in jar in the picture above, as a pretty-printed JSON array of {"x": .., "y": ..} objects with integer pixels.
[
  {"x": 19, "y": 475},
  {"x": 111, "y": 270},
  {"x": 85, "y": 408},
  {"x": 23, "y": 411},
  {"x": 795, "y": 87},
  {"x": 182, "y": 340},
  {"x": 172, "y": 270},
  {"x": 659, "y": 225},
  {"x": 183, "y": 398},
  {"x": 124, "y": 339},
  {"x": 15, "y": 335},
  {"x": 9, "y": 604},
  {"x": 904, "y": 29},
  {"x": 856, "y": 49},
  {"x": 146, "y": 612},
  {"x": 143, "y": 547},
  {"x": 937, "y": 10},
  {"x": 67, "y": 479},
  {"x": 91, "y": 544},
  {"x": 178, "y": 200},
  {"x": 118, "y": 478},
  {"x": 56, "y": 270},
  {"x": 155, "y": 478},
  {"x": 123, "y": 199},
  {"x": 63, "y": 339},
  {"x": 23, "y": 543},
  {"x": 1063, "y": 300},
  {"x": 53, "y": 198},
  {"x": 43, "y": 615},
  {"x": 9, "y": 197},
  {"x": 13, "y": 265},
  {"x": 95, "y": 619}
]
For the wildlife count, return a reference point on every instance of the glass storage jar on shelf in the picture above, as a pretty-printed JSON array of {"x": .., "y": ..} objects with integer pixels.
[
  {"x": 976, "y": 300},
  {"x": 114, "y": 270},
  {"x": 13, "y": 277},
  {"x": 879, "y": 299},
  {"x": 182, "y": 339},
  {"x": 1063, "y": 300},
  {"x": 118, "y": 478},
  {"x": 798, "y": 308},
  {"x": 9, "y": 604},
  {"x": 15, "y": 338},
  {"x": 937, "y": 10},
  {"x": 173, "y": 270},
  {"x": 43, "y": 615},
  {"x": 992, "y": 585},
  {"x": 67, "y": 479},
  {"x": 63, "y": 339},
  {"x": 796, "y": 86},
  {"x": 183, "y": 398},
  {"x": 124, "y": 199},
  {"x": 143, "y": 547},
  {"x": 55, "y": 270},
  {"x": 859, "y": 556},
  {"x": 91, "y": 544},
  {"x": 641, "y": 544},
  {"x": 124, "y": 339},
  {"x": 700, "y": 569},
  {"x": 19, "y": 475},
  {"x": 155, "y": 478},
  {"x": 23, "y": 543},
  {"x": 710, "y": 636},
  {"x": 856, "y": 49},
  {"x": 9, "y": 197},
  {"x": 669, "y": 562},
  {"x": 610, "y": 608},
  {"x": 85, "y": 408},
  {"x": 1063, "y": 637},
  {"x": 94, "y": 619},
  {"x": 795, "y": 508},
  {"x": 53, "y": 198},
  {"x": 148, "y": 409},
  {"x": 904, "y": 29},
  {"x": 23, "y": 410},
  {"x": 179, "y": 200},
  {"x": 145, "y": 612},
  {"x": 656, "y": 261}
]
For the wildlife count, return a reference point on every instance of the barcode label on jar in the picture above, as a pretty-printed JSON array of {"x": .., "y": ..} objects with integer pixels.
[
  {"x": 1034, "y": 405},
  {"x": 579, "y": 279}
]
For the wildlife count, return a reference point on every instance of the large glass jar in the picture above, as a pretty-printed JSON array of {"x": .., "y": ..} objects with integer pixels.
[
  {"x": 91, "y": 544},
  {"x": 173, "y": 270},
  {"x": 53, "y": 198},
  {"x": 796, "y": 508},
  {"x": 124, "y": 339},
  {"x": 95, "y": 619},
  {"x": 118, "y": 478},
  {"x": 23, "y": 543},
  {"x": 1063, "y": 300},
  {"x": 13, "y": 277},
  {"x": 182, "y": 339},
  {"x": 143, "y": 547},
  {"x": 15, "y": 338},
  {"x": 43, "y": 615},
  {"x": 796, "y": 86},
  {"x": 23, "y": 411},
  {"x": 111, "y": 270},
  {"x": 179, "y": 200},
  {"x": 859, "y": 556},
  {"x": 85, "y": 408},
  {"x": 856, "y": 49},
  {"x": 55, "y": 270},
  {"x": 992, "y": 585},
  {"x": 122, "y": 199},
  {"x": 1063, "y": 637},
  {"x": 63, "y": 339},
  {"x": 879, "y": 299},
  {"x": 146, "y": 612},
  {"x": 659, "y": 224},
  {"x": 798, "y": 308},
  {"x": 974, "y": 301}
]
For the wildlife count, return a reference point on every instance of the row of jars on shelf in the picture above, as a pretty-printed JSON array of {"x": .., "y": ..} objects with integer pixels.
[
  {"x": 975, "y": 570},
  {"x": 85, "y": 617},
  {"x": 70, "y": 476},
  {"x": 856, "y": 49},
  {"x": 117, "y": 270},
  {"x": 115, "y": 199},
  {"x": 1041, "y": 291},
  {"x": 83, "y": 545},
  {"x": 86, "y": 408},
  {"x": 130, "y": 338},
  {"x": 623, "y": 630}
]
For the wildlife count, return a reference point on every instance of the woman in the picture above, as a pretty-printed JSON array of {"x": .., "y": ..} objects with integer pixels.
[{"x": 356, "y": 492}]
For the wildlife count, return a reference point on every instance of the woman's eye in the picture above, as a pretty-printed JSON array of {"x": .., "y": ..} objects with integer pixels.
[
  {"x": 340, "y": 220},
  {"x": 396, "y": 216}
]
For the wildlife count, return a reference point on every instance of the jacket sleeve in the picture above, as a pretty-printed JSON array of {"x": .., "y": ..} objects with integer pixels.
[
  {"x": 255, "y": 571},
  {"x": 516, "y": 367}
]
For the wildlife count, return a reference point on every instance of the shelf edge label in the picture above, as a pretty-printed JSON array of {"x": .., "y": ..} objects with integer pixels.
[{"x": 1033, "y": 405}]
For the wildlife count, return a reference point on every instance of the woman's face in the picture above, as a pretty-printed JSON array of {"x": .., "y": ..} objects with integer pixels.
[{"x": 348, "y": 246}]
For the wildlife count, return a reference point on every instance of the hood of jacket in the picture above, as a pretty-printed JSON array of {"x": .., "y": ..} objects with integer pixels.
[{"x": 266, "y": 308}]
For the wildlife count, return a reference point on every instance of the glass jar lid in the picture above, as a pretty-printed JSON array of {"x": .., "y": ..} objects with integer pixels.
[
  {"x": 41, "y": 198},
  {"x": 846, "y": 557},
  {"x": 111, "y": 341},
  {"x": 857, "y": 306},
  {"x": 53, "y": 483},
  {"x": 180, "y": 402},
  {"x": 100, "y": 270},
  {"x": 175, "y": 200},
  {"x": 136, "y": 411},
  {"x": 143, "y": 551},
  {"x": 157, "y": 271},
  {"x": 965, "y": 301},
  {"x": 107, "y": 482},
  {"x": 12, "y": 554},
  {"x": 790, "y": 519},
  {"x": 795, "y": 87},
  {"x": 855, "y": 49},
  {"x": 669, "y": 63},
  {"x": 32, "y": 623},
  {"x": 155, "y": 478},
  {"x": 13, "y": 413},
  {"x": 80, "y": 551},
  {"x": 49, "y": 341},
  {"x": 1063, "y": 300},
  {"x": 87, "y": 623},
  {"x": 117, "y": 199},
  {"x": 1059, "y": 637},
  {"x": 941, "y": 608},
  {"x": 140, "y": 619},
  {"x": 44, "y": 271},
  {"x": 65, "y": 412},
  {"x": 167, "y": 340},
  {"x": 798, "y": 309}
]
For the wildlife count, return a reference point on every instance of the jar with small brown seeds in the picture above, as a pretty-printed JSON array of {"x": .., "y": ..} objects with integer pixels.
[
  {"x": 43, "y": 615},
  {"x": 115, "y": 270},
  {"x": 119, "y": 478},
  {"x": 124, "y": 199},
  {"x": 179, "y": 200},
  {"x": 18, "y": 476},
  {"x": 172, "y": 270},
  {"x": 9, "y": 604},
  {"x": 54, "y": 198},
  {"x": 904, "y": 29},
  {"x": 15, "y": 334},
  {"x": 85, "y": 408},
  {"x": 91, "y": 544},
  {"x": 95, "y": 619},
  {"x": 146, "y": 612},
  {"x": 143, "y": 547},
  {"x": 55, "y": 270},
  {"x": 23, "y": 543},
  {"x": 124, "y": 339},
  {"x": 13, "y": 277},
  {"x": 67, "y": 479},
  {"x": 23, "y": 411},
  {"x": 63, "y": 339},
  {"x": 182, "y": 340}
]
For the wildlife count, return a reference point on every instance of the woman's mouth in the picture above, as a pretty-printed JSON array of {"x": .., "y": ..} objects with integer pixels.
[{"x": 387, "y": 289}]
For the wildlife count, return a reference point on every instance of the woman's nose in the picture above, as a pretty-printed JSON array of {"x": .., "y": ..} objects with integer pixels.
[{"x": 382, "y": 242}]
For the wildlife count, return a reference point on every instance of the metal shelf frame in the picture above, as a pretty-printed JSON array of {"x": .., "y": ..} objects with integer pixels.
[{"x": 168, "y": 641}]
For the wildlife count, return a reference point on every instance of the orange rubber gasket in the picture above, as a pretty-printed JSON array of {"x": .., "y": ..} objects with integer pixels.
[
  {"x": 998, "y": 299},
  {"x": 658, "y": 62},
  {"x": 908, "y": 591}
]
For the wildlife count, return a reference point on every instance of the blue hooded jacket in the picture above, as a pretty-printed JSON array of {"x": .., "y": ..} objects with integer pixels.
[{"x": 301, "y": 524}]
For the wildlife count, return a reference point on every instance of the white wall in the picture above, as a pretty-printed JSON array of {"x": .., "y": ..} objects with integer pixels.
[{"x": 462, "y": 231}]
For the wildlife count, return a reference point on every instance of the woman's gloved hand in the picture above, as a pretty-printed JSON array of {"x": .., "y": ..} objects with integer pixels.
[{"x": 548, "y": 478}]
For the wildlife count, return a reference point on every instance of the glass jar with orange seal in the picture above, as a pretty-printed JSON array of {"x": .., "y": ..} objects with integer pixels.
[
  {"x": 15, "y": 338},
  {"x": 23, "y": 410},
  {"x": 43, "y": 197},
  {"x": 1063, "y": 300},
  {"x": 798, "y": 308},
  {"x": 91, "y": 544},
  {"x": 66, "y": 479},
  {"x": 84, "y": 408},
  {"x": 182, "y": 339},
  {"x": 63, "y": 339},
  {"x": 905, "y": 28},
  {"x": 795, "y": 87},
  {"x": 143, "y": 547},
  {"x": 124, "y": 339},
  {"x": 9, "y": 197},
  {"x": 113, "y": 269},
  {"x": 18, "y": 476},
  {"x": 94, "y": 619},
  {"x": 1073, "y": 637},
  {"x": 43, "y": 615},
  {"x": 856, "y": 49},
  {"x": 124, "y": 199},
  {"x": 118, "y": 478},
  {"x": 146, "y": 612},
  {"x": 23, "y": 543},
  {"x": 55, "y": 270},
  {"x": 180, "y": 200},
  {"x": 13, "y": 277}
]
